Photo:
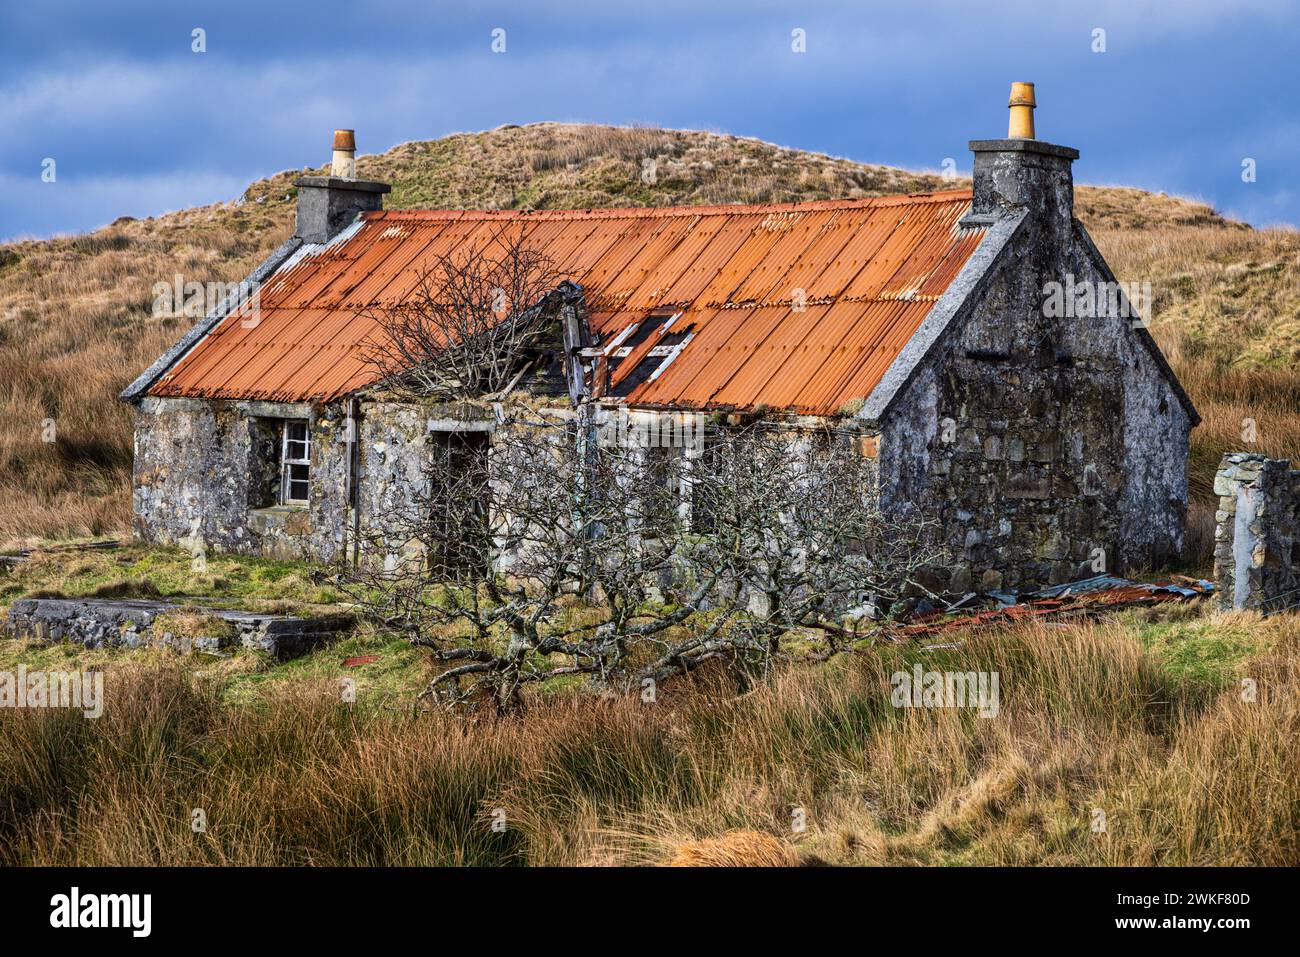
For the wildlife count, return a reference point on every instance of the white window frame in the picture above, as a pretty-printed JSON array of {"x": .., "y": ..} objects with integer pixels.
[{"x": 287, "y": 462}]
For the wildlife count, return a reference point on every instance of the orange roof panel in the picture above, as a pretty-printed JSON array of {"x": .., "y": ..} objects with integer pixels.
[{"x": 868, "y": 272}]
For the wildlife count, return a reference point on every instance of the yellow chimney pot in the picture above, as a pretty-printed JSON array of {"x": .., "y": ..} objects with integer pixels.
[{"x": 1020, "y": 125}]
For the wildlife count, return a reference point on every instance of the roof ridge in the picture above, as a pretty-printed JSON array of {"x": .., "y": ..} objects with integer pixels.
[{"x": 728, "y": 209}]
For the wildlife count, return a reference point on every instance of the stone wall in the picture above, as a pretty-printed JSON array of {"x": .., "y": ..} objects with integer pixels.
[
  {"x": 394, "y": 450},
  {"x": 1257, "y": 534},
  {"x": 102, "y": 623},
  {"x": 207, "y": 473},
  {"x": 207, "y": 477},
  {"x": 186, "y": 488},
  {"x": 1048, "y": 448}
]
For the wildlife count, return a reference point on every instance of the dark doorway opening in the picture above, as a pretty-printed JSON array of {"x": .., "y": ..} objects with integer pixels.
[{"x": 461, "y": 544}]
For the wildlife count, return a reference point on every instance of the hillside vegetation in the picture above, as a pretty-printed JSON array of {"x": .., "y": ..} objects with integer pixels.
[{"x": 77, "y": 325}]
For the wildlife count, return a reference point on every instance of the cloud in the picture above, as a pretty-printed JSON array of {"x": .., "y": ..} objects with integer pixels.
[{"x": 115, "y": 96}]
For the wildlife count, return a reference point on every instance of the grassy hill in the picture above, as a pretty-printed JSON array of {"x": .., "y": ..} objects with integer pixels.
[{"x": 76, "y": 321}]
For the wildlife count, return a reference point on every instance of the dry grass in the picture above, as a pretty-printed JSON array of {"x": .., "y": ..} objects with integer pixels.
[
  {"x": 1092, "y": 717},
  {"x": 189, "y": 622},
  {"x": 76, "y": 323},
  {"x": 76, "y": 326},
  {"x": 735, "y": 849},
  {"x": 1227, "y": 315}
]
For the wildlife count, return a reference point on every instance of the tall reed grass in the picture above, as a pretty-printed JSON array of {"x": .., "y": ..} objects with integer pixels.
[{"x": 1184, "y": 770}]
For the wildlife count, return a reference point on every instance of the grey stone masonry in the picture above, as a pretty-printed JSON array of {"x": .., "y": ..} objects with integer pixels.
[
  {"x": 1047, "y": 447},
  {"x": 326, "y": 204},
  {"x": 1017, "y": 174},
  {"x": 129, "y": 623},
  {"x": 1257, "y": 533}
]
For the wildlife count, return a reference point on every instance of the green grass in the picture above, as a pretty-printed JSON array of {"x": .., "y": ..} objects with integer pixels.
[
  {"x": 250, "y": 678},
  {"x": 1204, "y": 651},
  {"x": 393, "y": 681},
  {"x": 229, "y": 581},
  {"x": 67, "y": 656},
  {"x": 139, "y": 571}
]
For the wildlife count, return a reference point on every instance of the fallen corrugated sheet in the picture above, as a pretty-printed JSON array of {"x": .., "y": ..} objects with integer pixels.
[
  {"x": 797, "y": 307},
  {"x": 1087, "y": 598}
]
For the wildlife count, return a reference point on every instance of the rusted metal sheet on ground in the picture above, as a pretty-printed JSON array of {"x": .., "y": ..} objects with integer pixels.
[{"x": 1083, "y": 599}]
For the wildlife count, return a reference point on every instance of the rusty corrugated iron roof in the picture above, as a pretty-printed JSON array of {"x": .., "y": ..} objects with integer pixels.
[{"x": 798, "y": 307}]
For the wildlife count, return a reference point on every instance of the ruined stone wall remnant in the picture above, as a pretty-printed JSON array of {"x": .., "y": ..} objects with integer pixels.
[{"x": 1257, "y": 533}]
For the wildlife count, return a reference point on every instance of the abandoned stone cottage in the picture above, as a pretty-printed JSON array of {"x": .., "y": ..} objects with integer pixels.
[{"x": 922, "y": 325}]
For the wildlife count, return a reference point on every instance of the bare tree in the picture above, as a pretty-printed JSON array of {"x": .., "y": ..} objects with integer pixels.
[
  {"x": 796, "y": 528},
  {"x": 472, "y": 320},
  {"x": 563, "y": 577},
  {"x": 587, "y": 564}
]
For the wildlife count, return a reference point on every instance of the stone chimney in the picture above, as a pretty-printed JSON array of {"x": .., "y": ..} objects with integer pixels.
[
  {"x": 327, "y": 204},
  {"x": 1022, "y": 172}
]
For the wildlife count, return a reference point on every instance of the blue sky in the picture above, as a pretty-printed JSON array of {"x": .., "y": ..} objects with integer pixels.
[{"x": 138, "y": 124}]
